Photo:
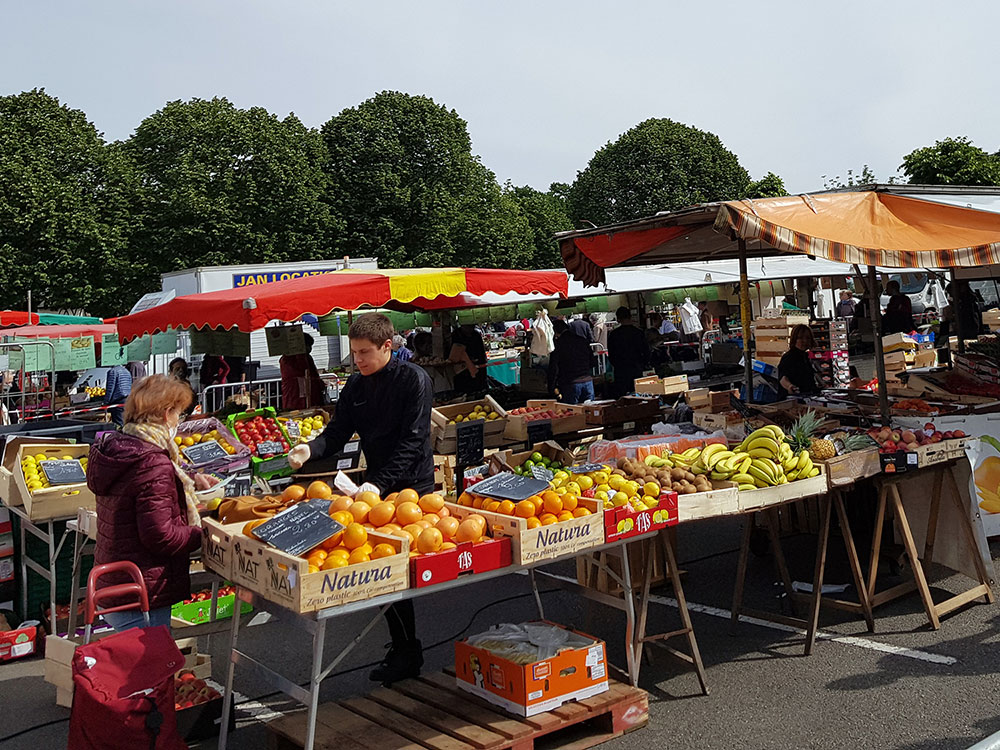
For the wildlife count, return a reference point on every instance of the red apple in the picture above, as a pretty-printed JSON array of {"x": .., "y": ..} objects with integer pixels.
[
  {"x": 960, "y": 433},
  {"x": 889, "y": 446},
  {"x": 929, "y": 426}
]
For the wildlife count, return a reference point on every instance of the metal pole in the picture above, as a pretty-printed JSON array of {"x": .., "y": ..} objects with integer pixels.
[
  {"x": 29, "y": 307},
  {"x": 875, "y": 313},
  {"x": 745, "y": 318}
]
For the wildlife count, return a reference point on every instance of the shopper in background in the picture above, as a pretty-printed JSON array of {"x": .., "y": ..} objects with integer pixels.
[
  {"x": 668, "y": 330},
  {"x": 468, "y": 350},
  {"x": 146, "y": 510},
  {"x": 795, "y": 371},
  {"x": 962, "y": 317},
  {"x": 600, "y": 329},
  {"x": 214, "y": 371},
  {"x": 898, "y": 316},
  {"x": 117, "y": 387},
  {"x": 571, "y": 366},
  {"x": 627, "y": 352},
  {"x": 399, "y": 350},
  {"x": 137, "y": 370},
  {"x": 237, "y": 369},
  {"x": 846, "y": 306},
  {"x": 581, "y": 328},
  {"x": 301, "y": 385},
  {"x": 179, "y": 369}
]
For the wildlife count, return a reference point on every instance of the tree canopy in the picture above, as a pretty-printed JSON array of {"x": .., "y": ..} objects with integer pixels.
[
  {"x": 546, "y": 214},
  {"x": 63, "y": 201},
  {"x": 952, "y": 161}
]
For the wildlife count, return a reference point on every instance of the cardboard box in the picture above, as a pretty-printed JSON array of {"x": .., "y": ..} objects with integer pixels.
[
  {"x": 444, "y": 434},
  {"x": 509, "y": 460},
  {"x": 698, "y": 398},
  {"x": 529, "y": 689},
  {"x": 711, "y": 422},
  {"x": 573, "y": 420},
  {"x": 59, "y": 501},
  {"x": 653, "y": 385},
  {"x": 845, "y": 470}
]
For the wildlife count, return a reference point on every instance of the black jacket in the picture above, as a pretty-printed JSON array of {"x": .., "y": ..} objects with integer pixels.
[
  {"x": 391, "y": 412},
  {"x": 628, "y": 351},
  {"x": 797, "y": 367},
  {"x": 571, "y": 359}
]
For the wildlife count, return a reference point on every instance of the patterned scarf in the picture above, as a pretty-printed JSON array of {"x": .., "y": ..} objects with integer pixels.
[{"x": 159, "y": 435}]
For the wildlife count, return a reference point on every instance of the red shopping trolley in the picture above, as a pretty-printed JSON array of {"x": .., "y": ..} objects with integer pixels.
[{"x": 123, "y": 685}]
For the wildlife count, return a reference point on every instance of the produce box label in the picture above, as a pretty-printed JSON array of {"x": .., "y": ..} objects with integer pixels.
[{"x": 562, "y": 538}]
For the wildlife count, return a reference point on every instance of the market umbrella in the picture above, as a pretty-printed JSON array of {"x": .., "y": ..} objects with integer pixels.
[
  {"x": 10, "y": 318},
  {"x": 251, "y": 308},
  {"x": 61, "y": 331}
]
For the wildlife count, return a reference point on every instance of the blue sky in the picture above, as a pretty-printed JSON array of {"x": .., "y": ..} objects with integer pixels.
[{"x": 803, "y": 89}]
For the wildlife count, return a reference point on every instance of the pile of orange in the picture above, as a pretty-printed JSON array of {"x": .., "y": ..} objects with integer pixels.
[{"x": 538, "y": 510}]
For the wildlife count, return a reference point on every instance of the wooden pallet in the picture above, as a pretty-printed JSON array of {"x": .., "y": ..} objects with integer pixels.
[{"x": 432, "y": 712}]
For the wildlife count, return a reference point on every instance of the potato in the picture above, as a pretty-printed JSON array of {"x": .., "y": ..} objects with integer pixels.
[{"x": 677, "y": 473}]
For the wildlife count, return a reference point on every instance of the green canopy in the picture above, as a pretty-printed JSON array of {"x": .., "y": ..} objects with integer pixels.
[{"x": 55, "y": 319}]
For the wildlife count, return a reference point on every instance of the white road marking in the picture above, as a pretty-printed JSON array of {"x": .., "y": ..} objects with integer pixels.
[{"x": 257, "y": 711}]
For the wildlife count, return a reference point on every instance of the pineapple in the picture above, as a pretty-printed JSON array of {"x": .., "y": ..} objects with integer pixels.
[
  {"x": 801, "y": 437},
  {"x": 855, "y": 442}
]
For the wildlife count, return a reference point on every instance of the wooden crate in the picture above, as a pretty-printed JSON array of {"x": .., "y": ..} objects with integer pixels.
[
  {"x": 661, "y": 386},
  {"x": 721, "y": 501},
  {"x": 574, "y": 421},
  {"x": 61, "y": 501},
  {"x": 842, "y": 471},
  {"x": 698, "y": 398},
  {"x": 933, "y": 453},
  {"x": 444, "y": 435},
  {"x": 509, "y": 460},
  {"x": 761, "y": 498},
  {"x": 286, "y": 580},
  {"x": 432, "y": 712},
  {"x": 545, "y": 542},
  {"x": 591, "y": 575}
]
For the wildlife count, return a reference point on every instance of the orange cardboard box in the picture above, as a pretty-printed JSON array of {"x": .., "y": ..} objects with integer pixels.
[{"x": 529, "y": 689}]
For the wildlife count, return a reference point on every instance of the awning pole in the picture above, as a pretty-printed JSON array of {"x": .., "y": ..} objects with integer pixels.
[
  {"x": 745, "y": 318},
  {"x": 875, "y": 313}
]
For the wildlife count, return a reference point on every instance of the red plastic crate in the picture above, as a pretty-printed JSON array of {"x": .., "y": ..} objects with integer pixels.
[
  {"x": 427, "y": 570},
  {"x": 642, "y": 521}
]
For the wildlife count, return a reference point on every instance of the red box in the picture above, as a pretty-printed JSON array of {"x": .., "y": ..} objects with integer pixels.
[
  {"x": 17, "y": 643},
  {"x": 616, "y": 524},
  {"x": 427, "y": 570},
  {"x": 529, "y": 689}
]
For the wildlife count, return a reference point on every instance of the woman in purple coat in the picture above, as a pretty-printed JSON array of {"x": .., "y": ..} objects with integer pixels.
[{"x": 145, "y": 502}]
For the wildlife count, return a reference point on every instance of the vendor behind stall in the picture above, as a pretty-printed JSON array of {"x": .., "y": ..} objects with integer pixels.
[
  {"x": 301, "y": 385},
  {"x": 388, "y": 404},
  {"x": 795, "y": 371},
  {"x": 571, "y": 366},
  {"x": 468, "y": 349},
  {"x": 628, "y": 352}
]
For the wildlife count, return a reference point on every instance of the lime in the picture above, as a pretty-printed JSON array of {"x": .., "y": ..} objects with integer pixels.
[{"x": 536, "y": 457}]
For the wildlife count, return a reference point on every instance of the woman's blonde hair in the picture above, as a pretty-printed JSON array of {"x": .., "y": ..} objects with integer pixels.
[{"x": 153, "y": 395}]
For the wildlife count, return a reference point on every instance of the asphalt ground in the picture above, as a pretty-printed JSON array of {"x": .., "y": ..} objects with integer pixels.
[{"x": 904, "y": 686}]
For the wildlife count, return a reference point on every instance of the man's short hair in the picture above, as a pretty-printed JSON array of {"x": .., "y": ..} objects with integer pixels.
[
  {"x": 559, "y": 326},
  {"x": 623, "y": 313},
  {"x": 375, "y": 327}
]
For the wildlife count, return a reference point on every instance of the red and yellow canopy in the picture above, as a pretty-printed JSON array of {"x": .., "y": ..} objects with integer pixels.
[
  {"x": 10, "y": 318},
  {"x": 248, "y": 309}
]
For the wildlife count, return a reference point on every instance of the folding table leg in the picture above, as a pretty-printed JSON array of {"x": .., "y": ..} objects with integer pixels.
[
  {"x": 741, "y": 572},
  {"x": 682, "y": 607},
  {"x": 911, "y": 551},
  {"x": 852, "y": 557},
  {"x": 227, "y": 698},
  {"x": 817, "y": 594}
]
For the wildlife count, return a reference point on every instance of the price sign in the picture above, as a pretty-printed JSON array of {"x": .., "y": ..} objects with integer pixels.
[
  {"x": 543, "y": 473},
  {"x": 469, "y": 437},
  {"x": 292, "y": 428},
  {"x": 82, "y": 355},
  {"x": 507, "y": 486},
  {"x": 586, "y": 468},
  {"x": 112, "y": 353},
  {"x": 298, "y": 529},
  {"x": 63, "y": 354},
  {"x": 539, "y": 431},
  {"x": 164, "y": 343},
  {"x": 238, "y": 486},
  {"x": 269, "y": 448},
  {"x": 285, "y": 340},
  {"x": 204, "y": 453},
  {"x": 67, "y": 471},
  {"x": 140, "y": 349}
]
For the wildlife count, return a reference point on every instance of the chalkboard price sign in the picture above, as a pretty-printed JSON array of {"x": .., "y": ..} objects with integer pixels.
[
  {"x": 542, "y": 473},
  {"x": 238, "y": 486},
  {"x": 469, "y": 439},
  {"x": 586, "y": 468},
  {"x": 67, "y": 471},
  {"x": 292, "y": 428},
  {"x": 204, "y": 453},
  {"x": 298, "y": 529},
  {"x": 507, "y": 486},
  {"x": 539, "y": 431},
  {"x": 269, "y": 448}
]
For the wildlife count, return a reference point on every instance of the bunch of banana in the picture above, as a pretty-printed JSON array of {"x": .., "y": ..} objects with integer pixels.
[
  {"x": 683, "y": 460},
  {"x": 658, "y": 462},
  {"x": 771, "y": 460}
]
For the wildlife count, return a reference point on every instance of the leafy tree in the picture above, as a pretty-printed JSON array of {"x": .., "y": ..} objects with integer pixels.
[
  {"x": 546, "y": 215},
  {"x": 768, "y": 186},
  {"x": 403, "y": 176},
  {"x": 659, "y": 165},
  {"x": 952, "y": 161},
  {"x": 221, "y": 185},
  {"x": 63, "y": 194}
]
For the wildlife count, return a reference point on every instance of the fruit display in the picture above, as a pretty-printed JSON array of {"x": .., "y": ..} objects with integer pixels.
[
  {"x": 206, "y": 594},
  {"x": 256, "y": 430},
  {"x": 309, "y": 428},
  {"x": 893, "y": 440},
  {"x": 478, "y": 412},
  {"x": 543, "y": 509},
  {"x": 190, "y": 690},
  {"x": 34, "y": 474},
  {"x": 95, "y": 391},
  {"x": 637, "y": 483},
  {"x": 196, "y": 438},
  {"x": 536, "y": 459},
  {"x": 987, "y": 478},
  {"x": 533, "y": 413},
  {"x": 964, "y": 385},
  {"x": 913, "y": 404}
]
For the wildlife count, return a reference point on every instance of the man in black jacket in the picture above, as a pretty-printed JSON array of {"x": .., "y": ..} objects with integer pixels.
[
  {"x": 388, "y": 404},
  {"x": 570, "y": 365},
  {"x": 628, "y": 352}
]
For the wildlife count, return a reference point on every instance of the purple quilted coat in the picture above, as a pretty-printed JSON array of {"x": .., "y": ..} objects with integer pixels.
[{"x": 141, "y": 516}]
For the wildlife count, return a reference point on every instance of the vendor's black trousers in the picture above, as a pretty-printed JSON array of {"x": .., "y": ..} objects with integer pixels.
[{"x": 402, "y": 623}]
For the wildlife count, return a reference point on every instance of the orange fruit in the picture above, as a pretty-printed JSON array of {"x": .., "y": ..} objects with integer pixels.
[
  {"x": 414, "y": 553},
  {"x": 430, "y": 540},
  {"x": 538, "y": 503},
  {"x": 525, "y": 509},
  {"x": 382, "y": 514},
  {"x": 477, "y": 502},
  {"x": 534, "y": 523},
  {"x": 313, "y": 569},
  {"x": 465, "y": 499},
  {"x": 444, "y": 512},
  {"x": 479, "y": 520},
  {"x": 366, "y": 548},
  {"x": 581, "y": 511},
  {"x": 339, "y": 552},
  {"x": 382, "y": 550},
  {"x": 414, "y": 530},
  {"x": 448, "y": 545},
  {"x": 251, "y": 525},
  {"x": 343, "y": 517},
  {"x": 424, "y": 523},
  {"x": 492, "y": 506},
  {"x": 293, "y": 493},
  {"x": 549, "y": 494},
  {"x": 334, "y": 561},
  {"x": 391, "y": 528},
  {"x": 371, "y": 498},
  {"x": 342, "y": 503},
  {"x": 408, "y": 496},
  {"x": 333, "y": 541},
  {"x": 358, "y": 555},
  {"x": 360, "y": 511},
  {"x": 552, "y": 503},
  {"x": 355, "y": 535},
  {"x": 469, "y": 531},
  {"x": 570, "y": 502},
  {"x": 448, "y": 527},
  {"x": 319, "y": 490},
  {"x": 408, "y": 511},
  {"x": 547, "y": 518},
  {"x": 566, "y": 515},
  {"x": 391, "y": 497},
  {"x": 432, "y": 517},
  {"x": 506, "y": 507},
  {"x": 431, "y": 503}
]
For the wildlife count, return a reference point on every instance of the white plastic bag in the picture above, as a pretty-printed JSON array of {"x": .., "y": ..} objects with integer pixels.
[
  {"x": 690, "y": 317},
  {"x": 542, "y": 335}
]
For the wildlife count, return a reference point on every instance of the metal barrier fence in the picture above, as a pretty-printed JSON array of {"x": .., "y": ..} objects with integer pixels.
[{"x": 268, "y": 393}]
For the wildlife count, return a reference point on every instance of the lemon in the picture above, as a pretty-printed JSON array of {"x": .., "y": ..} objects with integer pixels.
[
  {"x": 616, "y": 481},
  {"x": 179, "y": 441},
  {"x": 41, "y": 457},
  {"x": 585, "y": 482},
  {"x": 600, "y": 477},
  {"x": 66, "y": 458},
  {"x": 601, "y": 495},
  {"x": 619, "y": 499},
  {"x": 28, "y": 460}
]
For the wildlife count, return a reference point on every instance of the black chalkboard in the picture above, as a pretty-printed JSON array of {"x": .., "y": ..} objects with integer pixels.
[
  {"x": 204, "y": 453},
  {"x": 67, "y": 471},
  {"x": 269, "y": 447},
  {"x": 238, "y": 486},
  {"x": 298, "y": 529},
  {"x": 585, "y": 468},
  {"x": 469, "y": 439},
  {"x": 539, "y": 430},
  {"x": 507, "y": 486},
  {"x": 542, "y": 473}
]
